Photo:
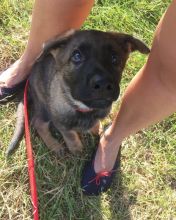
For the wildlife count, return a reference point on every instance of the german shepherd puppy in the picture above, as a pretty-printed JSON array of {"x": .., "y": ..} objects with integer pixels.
[{"x": 73, "y": 84}]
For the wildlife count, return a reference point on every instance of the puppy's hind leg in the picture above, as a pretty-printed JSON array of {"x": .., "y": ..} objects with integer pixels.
[{"x": 42, "y": 128}]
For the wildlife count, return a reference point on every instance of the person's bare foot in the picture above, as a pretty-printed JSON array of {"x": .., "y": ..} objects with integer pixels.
[
  {"x": 107, "y": 152},
  {"x": 15, "y": 74}
]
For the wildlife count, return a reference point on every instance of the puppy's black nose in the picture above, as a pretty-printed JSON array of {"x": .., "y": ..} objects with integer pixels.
[{"x": 99, "y": 83}]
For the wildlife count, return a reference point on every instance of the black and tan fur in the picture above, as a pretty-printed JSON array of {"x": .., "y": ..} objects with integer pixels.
[{"x": 74, "y": 83}]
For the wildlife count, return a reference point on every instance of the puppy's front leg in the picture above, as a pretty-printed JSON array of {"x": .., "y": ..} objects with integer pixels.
[
  {"x": 72, "y": 141},
  {"x": 42, "y": 128}
]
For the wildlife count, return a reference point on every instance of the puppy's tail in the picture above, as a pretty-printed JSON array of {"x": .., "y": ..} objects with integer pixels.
[{"x": 19, "y": 130}]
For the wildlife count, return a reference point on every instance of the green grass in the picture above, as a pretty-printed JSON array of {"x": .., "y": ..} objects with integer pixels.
[{"x": 145, "y": 187}]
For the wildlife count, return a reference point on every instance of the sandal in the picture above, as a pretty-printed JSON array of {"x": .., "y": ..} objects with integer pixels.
[
  {"x": 8, "y": 93},
  {"x": 95, "y": 183}
]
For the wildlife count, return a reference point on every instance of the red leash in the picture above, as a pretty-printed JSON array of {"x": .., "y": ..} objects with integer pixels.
[{"x": 31, "y": 168}]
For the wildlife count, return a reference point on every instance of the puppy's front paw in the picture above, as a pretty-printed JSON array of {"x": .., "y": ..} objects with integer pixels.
[
  {"x": 60, "y": 152},
  {"x": 57, "y": 148},
  {"x": 76, "y": 148},
  {"x": 73, "y": 142}
]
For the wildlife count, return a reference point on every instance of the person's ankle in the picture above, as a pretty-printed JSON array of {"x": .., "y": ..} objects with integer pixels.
[
  {"x": 107, "y": 152},
  {"x": 112, "y": 138}
]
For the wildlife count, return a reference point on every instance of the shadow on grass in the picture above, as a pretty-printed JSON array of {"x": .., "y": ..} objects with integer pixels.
[{"x": 119, "y": 199}]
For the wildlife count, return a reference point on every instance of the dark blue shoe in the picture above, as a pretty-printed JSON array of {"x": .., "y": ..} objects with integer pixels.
[
  {"x": 7, "y": 93},
  {"x": 95, "y": 183}
]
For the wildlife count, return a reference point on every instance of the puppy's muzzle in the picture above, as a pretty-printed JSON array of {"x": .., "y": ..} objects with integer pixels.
[
  {"x": 103, "y": 88},
  {"x": 100, "y": 84},
  {"x": 103, "y": 91}
]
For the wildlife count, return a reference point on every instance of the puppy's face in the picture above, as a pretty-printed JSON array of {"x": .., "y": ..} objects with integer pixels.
[{"x": 91, "y": 64}]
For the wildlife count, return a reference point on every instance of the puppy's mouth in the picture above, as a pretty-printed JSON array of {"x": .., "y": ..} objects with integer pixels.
[
  {"x": 84, "y": 110},
  {"x": 80, "y": 106},
  {"x": 91, "y": 105},
  {"x": 98, "y": 103}
]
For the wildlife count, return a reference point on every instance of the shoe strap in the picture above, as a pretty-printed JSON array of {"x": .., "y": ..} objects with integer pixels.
[{"x": 99, "y": 175}]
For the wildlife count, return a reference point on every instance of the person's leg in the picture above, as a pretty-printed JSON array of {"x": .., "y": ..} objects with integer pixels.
[
  {"x": 49, "y": 18},
  {"x": 150, "y": 96}
]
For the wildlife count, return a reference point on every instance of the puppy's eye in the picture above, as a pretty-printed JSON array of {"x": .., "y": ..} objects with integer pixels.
[
  {"x": 77, "y": 57},
  {"x": 114, "y": 58}
]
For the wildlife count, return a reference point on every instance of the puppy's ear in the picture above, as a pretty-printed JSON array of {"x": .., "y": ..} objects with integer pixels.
[
  {"x": 129, "y": 43},
  {"x": 56, "y": 42},
  {"x": 133, "y": 44}
]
